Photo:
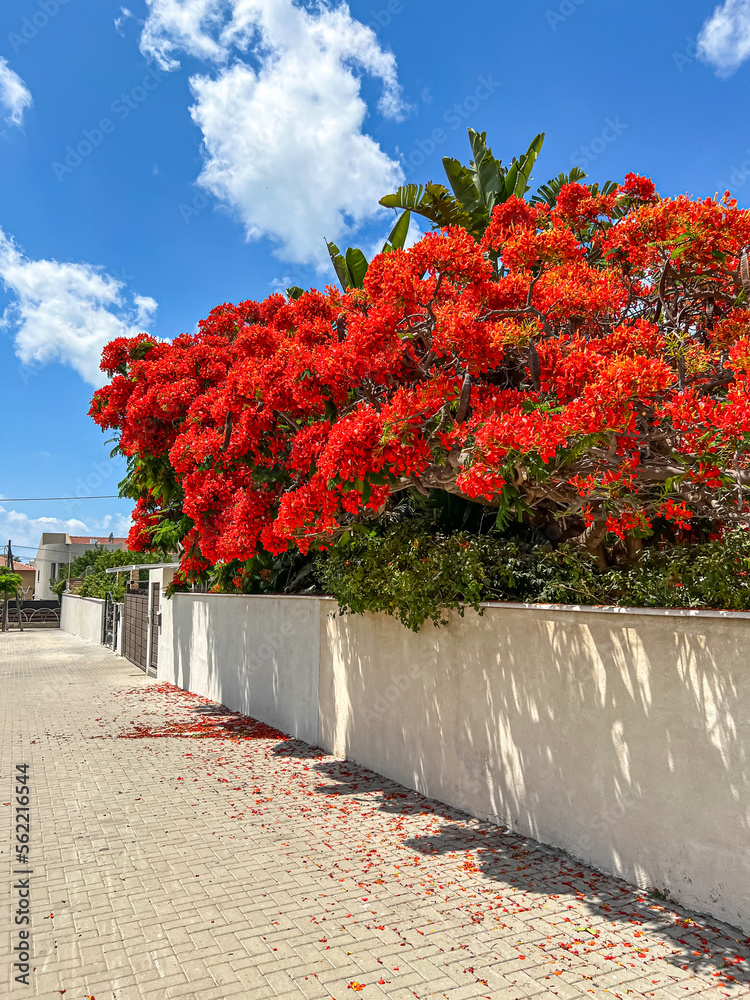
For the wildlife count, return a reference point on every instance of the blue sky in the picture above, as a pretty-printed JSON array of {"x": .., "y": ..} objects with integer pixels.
[{"x": 160, "y": 158}]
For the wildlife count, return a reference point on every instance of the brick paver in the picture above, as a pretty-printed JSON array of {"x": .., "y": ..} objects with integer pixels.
[{"x": 185, "y": 853}]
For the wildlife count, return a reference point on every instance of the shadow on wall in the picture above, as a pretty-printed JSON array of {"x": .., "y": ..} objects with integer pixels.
[
  {"x": 256, "y": 655},
  {"x": 622, "y": 739}
]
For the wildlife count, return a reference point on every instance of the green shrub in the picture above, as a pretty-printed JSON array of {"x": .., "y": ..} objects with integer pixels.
[
  {"x": 91, "y": 566},
  {"x": 417, "y": 573}
]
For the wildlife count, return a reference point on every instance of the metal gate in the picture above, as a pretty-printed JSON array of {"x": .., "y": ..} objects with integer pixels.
[
  {"x": 155, "y": 625},
  {"x": 135, "y": 628},
  {"x": 111, "y": 622}
]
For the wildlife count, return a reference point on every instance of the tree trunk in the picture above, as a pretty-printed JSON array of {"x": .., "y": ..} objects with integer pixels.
[
  {"x": 592, "y": 539},
  {"x": 633, "y": 547}
]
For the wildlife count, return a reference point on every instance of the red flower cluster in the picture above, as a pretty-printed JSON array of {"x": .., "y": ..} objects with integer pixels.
[{"x": 592, "y": 358}]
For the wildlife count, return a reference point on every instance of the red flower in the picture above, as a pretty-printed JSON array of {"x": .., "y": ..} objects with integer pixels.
[{"x": 540, "y": 364}]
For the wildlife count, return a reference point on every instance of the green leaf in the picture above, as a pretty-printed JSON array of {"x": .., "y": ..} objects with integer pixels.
[
  {"x": 550, "y": 191},
  {"x": 409, "y": 196},
  {"x": 340, "y": 266},
  {"x": 357, "y": 266},
  {"x": 519, "y": 174},
  {"x": 463, "y": 181},
  {"x": 478, "y": 143},
  {"x": 508, "y": 505},
  {"x": 398, "y": 234},
  {"x": 490, "y": 175},
  {"x": 476, "y": 188},
  {"x": 294, "y": 292},
  {"x": 432, "y": 201}
]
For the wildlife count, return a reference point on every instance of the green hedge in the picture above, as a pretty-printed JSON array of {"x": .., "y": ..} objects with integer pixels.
[{"x": 417, "y": 574}]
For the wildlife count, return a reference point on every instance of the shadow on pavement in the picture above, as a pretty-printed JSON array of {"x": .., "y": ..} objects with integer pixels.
[{"x": 523, "y": 866}]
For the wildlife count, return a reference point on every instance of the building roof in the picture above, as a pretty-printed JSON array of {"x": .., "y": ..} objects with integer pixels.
[
  {"x": 21, "y": 566},
  {"x": 126, "y": 569},
  {"x": 88, "y": 539}
]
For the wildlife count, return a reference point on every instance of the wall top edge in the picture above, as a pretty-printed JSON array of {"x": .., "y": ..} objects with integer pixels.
[
  {"x": 259, "y": 597},
  {"x": 595, "y": 609},
  {"x": 77, "y": 597}
]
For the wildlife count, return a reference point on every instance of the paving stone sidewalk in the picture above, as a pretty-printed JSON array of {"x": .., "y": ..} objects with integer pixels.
[{"x": 181, "y": 851}]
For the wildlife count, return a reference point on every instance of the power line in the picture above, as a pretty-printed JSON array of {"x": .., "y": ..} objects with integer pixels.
[
  {"x": 113, "y": 496},
  {"x": 48, "y": 548},
  {"x": 32, "y": 548}
]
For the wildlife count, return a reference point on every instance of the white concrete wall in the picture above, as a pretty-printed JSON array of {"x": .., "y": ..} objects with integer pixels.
[
  {"x": 622, "y": 738},
  {"x": 163, "y": 577},
  {"x": 82, "y": 616},
  {"x": 258, "y": 656}
]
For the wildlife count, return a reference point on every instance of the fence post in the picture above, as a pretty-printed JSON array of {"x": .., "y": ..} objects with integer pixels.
[{"x": 104, "y": 619}]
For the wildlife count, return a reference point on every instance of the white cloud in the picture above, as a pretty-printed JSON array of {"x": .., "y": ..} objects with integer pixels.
[
  {"x": 15, "y": 96},
  {"x": 183, "y": 25},
  {"x": 66, "y": 312},
  {"x": 283, "y": 115},
  {"x": 125, "y": 15},
  {"x": 25, "y": 531},
  {"x": 724, "y": 39}
]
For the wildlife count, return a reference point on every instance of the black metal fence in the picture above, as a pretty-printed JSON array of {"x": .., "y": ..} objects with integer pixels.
[{"x": 34, "y": 614}]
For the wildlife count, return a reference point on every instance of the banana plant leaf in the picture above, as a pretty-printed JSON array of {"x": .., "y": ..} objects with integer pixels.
[
  {"x": 432, "y": 201},
  {"x": 489, "y": 173},
  {"x": 550, "y": 192},
  {"x": 485, "y": 182},
  {"x": 463, "y": 181},
  {"x": 519, "y": 172},
  {"x": 339, "y": 265},
  {"x": 398, "y": 234},
  {"x": 351, "y": 267},
  {"x": 357, "y": 266}
]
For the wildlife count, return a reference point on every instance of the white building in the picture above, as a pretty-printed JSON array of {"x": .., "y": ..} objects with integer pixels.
[{"x": 57, "y": 549}]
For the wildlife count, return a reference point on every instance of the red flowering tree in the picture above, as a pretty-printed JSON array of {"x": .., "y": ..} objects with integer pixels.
[{"x": 583, "y": 364}]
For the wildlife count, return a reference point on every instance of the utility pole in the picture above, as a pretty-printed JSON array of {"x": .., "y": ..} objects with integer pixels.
[
  {"x": 8, "y": 562},
  {"x": 11, "y": 566},
  {"x": 18, "y": 602}
]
